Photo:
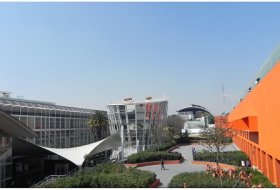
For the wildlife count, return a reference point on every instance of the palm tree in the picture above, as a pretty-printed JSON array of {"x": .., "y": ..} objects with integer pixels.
[{"x": 97, "y": 122}]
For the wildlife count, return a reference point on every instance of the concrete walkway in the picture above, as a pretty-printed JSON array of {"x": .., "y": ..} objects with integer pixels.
[{"x": 186, "y": 166}]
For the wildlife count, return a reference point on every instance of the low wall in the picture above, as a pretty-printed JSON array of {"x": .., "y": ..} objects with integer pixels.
[
  {"x": 154, "y": 163},
  {"x": 155, "y": 184},
  {"x": 214, "y": 164}
]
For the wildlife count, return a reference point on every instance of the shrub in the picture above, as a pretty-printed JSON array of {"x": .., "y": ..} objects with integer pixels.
[
  {"x": 106, "y": 176},
  {"x": 229, "y": 140},
  {"x": 205, "y": 179},
  {"x": 110, "y": 168},
  {"x": 147, "y": 156},
  {"x": 201, "y": 180},
  {"x": 163, "y": 147},
  {"x": 259, "y": 178},
  {"x": 134, "y": 179},
  {"x": 231, "y": 157}
]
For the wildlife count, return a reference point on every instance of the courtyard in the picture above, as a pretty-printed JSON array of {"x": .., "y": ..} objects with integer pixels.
[{"x": 186, "y": 166}]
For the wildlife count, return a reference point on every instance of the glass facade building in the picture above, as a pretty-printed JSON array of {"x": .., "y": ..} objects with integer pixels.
[
  {"x": 55, "y": 126},
  {"x": 139, "y": 120},
  {"x": 5, "y": 160}
]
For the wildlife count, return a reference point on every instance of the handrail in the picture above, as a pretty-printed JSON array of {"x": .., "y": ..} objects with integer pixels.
[{"x": 50, "y": 178}]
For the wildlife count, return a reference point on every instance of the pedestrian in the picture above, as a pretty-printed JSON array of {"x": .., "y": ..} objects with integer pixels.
[
  {"x": 193, "y": 151},
  {"x": 162, "y": 165}
]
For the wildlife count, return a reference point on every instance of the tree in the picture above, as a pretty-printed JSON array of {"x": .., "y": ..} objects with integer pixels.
[
  {"x": 176, "y": 123},
  {"x": 98, "y": 122},
  {"x": 211, "y": 119},
  {"x": 170, "y": 132},
  {"x": 215, "y": 139}
]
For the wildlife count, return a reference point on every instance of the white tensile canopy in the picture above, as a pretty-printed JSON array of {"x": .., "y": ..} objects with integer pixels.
[{"x": 77, "y": 154}]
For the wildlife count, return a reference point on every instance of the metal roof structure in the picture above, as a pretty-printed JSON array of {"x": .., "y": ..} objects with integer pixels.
[
  {"x": 15, "y": 102},
  {"x": 195, "y": 108}
]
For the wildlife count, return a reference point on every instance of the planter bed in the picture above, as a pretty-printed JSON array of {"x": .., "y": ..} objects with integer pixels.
[
  {"x": 155, "y": 184},
  {"x": 214, "y": 164},
  {"x": 108, "y": 175}
]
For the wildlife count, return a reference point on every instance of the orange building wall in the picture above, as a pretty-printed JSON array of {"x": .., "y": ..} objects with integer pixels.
[{"x": 257, "y": 121}]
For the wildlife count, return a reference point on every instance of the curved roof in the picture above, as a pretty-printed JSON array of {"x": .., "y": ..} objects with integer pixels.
[
  {"x": 194, "y": 108},
  {"x": 77, "y": 154}
]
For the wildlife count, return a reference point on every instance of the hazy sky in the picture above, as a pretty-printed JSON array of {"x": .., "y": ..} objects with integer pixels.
[{"x": 90, "y": 54}]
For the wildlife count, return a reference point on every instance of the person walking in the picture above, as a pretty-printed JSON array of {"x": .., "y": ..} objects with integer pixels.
[
  {"x": 162, "y": 165},
  {"x": 193, "y": 151}
]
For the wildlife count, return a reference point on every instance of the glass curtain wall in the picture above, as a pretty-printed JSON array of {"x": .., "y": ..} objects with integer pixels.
[
  {"x": 139, "y": 121},
  {"x": 5, "y": 161},
  {"x": 56, "y": 126}
]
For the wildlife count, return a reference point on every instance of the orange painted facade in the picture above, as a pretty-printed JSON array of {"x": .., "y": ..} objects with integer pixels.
[{"x": 256, "y": 120}]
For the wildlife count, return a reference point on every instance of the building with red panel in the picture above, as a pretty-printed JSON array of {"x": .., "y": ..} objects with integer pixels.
[
  {"x": 138, "y": 119},
  {"x": 256, "y": 119}
]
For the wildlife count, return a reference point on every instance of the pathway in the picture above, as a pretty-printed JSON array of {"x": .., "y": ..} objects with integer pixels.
[{"x": 186, "y": 166}]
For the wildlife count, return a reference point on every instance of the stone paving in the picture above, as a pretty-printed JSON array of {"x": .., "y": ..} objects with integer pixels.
[{"x": 186, "y": 166}]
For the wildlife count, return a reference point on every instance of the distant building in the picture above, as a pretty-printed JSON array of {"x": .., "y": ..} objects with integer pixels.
[
  {"x": 139, "y": 120},
  {"x": 196, "y": 118}
]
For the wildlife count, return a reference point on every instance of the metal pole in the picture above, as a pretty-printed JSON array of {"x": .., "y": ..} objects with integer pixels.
[
  {"x": 122, "y": 139},
  {"x": 137, "y": 146}
]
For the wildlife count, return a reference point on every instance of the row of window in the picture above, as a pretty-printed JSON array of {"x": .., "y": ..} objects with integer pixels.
[
  {"x": 149, "y": 107},
  {"x": 17, "y": 110},
  {"x": 52, "y": 122}
]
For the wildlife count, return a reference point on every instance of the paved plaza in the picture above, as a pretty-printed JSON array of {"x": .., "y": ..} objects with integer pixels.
[{"x": 186, "y": 166}]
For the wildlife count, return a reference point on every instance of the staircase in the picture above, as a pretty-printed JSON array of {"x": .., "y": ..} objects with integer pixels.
[{"x": 52, "y": 178}]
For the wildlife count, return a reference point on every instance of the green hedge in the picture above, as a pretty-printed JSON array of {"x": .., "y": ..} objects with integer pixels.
[
  {"x": 162, "y": 147},
  {"x": 258, "y": 178},
  {"x": 201, "y": 180},
  {"x": 106, "y": 176},
  {"x": 231, "y": 157},
  {"x": 148, "y": 156},
  {"x": 110, "y": 168},
  {"x": 229, "y": 140}
]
